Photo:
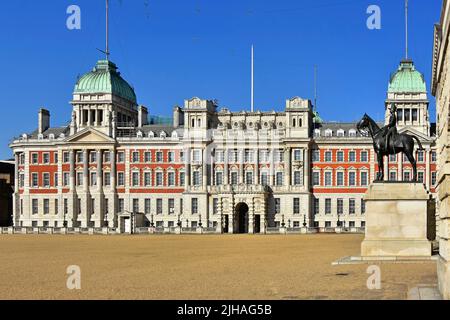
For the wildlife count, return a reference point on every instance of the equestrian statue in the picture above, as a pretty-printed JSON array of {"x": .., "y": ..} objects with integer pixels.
[{"x": 387, "y": 141}]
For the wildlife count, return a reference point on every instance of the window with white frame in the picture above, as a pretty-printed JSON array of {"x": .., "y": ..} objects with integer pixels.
[
  {"x": 182, "y": 178},
  {"x": 351, "y": 206},
  {"x": 80, "y": 156},
  {"x": 316, "y": 205},
  {"x": 46, "y": 158},
  {"x": 316, "y": 178},
  {"x": 315, "y": 155},
  {"x": 433, "y": 156},
  {"x": 147, "y": 179},
  {"x": 364, "y": 179},
  {"x": 420, "y": 176},
  {"x": 159, "y": 178},
  {"x": 339, "y": 178},
  {"x": 219, "y": 178},
  {"x": 363, "y": 206},
  {"x": 196, "y": 178},
  {"x": 80, "y": 178},
  {"x": 34, "y": 206},
  {"x": 328, "y": 156},
  {"x": 147, "y": 206},
  {"x": 215, "y": 205},
  {"x": 296, "y": 205},
  {"x": 327, "y": 206},
  {"x": 171, "y": 205},
  {"x": 135, "y": 156},
  {"x": 352, "y": 156},
  {"x": 364, "y": 156},
  {"x": 249, "y": 177},
  {"x": 171, "y": 157},
  {"x": 248, "y": 156},
  {"x": 135, "y": 205},
  {"x": 107, "y": 156},
  {"x": 148, "y": 156},
  {"x": 279, "y": 178},
  {"x": 264, "y": 178},
  {"x": 107, "y": 179},
  {"x": 352, "y": 178},
  {"x": 120, "y": 157},
  {"x": 66, "y": 157},
  {"x": 194, "y": 206},
  {"x": 46, "y": 180},
  {"x": 263, "y": 156},
  {"x": 298, "y": 178},
  {"x": 340, "y": 156},
  {"x": 120, "y": 179},
  {"x": 234, "y": 177},
  {"x": 93, "y": 156},
  {"x": 298, "y": 155},
  {"x": 420, "y": 156},
  {"x": 34, "y": 158},
  {"x": 46, "y": 206},
  {"x": 392, "y": 158},
  {"x": 34, "y": 180},
  {"x": 328, "y": 179},
  {"x": 171, "y": 178},
  {"x": 196, "y": 155},
  {"x": 159, "y": 156},
  {"x": 406, "y": 175},
  {"x": 159, "y": 206},
  {"x": 433, "y": 178},
  {"x": 135, "y": 179},
  {"x": 277, "y": 205},
  {"x": 340, "y": 206},
  {"x": 392, "y": 175},
  {"x": 219, "y": 156},
  {"x": 93, "y": 179}
]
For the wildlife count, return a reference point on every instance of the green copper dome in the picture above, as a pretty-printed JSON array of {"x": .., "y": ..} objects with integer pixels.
[
  {"x": 407, "y": 79},
  {"x": 105, "y": 78}
]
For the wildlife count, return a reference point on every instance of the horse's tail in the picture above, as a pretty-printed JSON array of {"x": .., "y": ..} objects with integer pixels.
[{"x": 418, "y": 142}]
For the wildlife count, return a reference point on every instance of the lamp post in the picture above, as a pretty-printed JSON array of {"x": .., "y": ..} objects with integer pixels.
[
  {"x": 179, "y": 221},
  {"x": 187, "y": 223},
  {"x": 289, "y": 223},
  {"x": 282, "y": 221},
  {"x": 152, "y": 224},
  {"x": 304, "y": 220},
  {"x": 338, "y": 220}
]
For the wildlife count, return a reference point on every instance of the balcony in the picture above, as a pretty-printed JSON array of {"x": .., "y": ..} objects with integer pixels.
[{"x": 239, "y": 188}]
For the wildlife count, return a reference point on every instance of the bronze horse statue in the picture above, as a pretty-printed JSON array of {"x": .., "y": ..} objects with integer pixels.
[{"x": 400, "y": 142}]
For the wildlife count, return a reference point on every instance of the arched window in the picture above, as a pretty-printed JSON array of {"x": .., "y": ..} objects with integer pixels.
[
  {"x": 199, "y": 121},
  {"x": 193, "y": 123},
  {"x": 300, "y": 122},
  {"x": 293, "y": 123}
]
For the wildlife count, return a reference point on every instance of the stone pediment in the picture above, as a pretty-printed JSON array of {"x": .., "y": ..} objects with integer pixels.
[
  {"x": 90, "y": 136},
  {"x": 418, "y": 134}
]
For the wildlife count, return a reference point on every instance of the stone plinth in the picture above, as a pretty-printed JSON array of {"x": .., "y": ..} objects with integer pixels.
[{"x": 396, "y": 221}]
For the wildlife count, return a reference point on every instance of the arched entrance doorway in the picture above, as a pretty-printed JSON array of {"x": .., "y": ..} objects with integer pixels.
[{"x": 241, "y": 218}]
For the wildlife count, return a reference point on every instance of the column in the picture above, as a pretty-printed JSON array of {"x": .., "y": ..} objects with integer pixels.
[
  {"x": 205, "y": 168},
  {"x": 187, "y": 169},
  {"x": 86, "y": 170},
  {"x": 100, "y": 170},
  {"x": 287, "y": 166},
  {"x": 72, "y": 181},
  {"x": 16, "y": 197},
  {"x": 113, "y": 198},
  {"x": 306, "y": 168},
  {"x": 256, "y": 168},
  {"x": 241, "y": 165},
  {"x": 427, "y": 175},
  {"x": 225, "y": 167}
]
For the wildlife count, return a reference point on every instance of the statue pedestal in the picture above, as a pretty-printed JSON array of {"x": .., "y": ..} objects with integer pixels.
[{"x": 396, "y": 221}]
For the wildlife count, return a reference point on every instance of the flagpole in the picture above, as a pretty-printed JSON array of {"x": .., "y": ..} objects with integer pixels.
[
  {"x": 406, "y": 28},
  {"x": 107, "y": 30},
  {"x": 252, "y": 81}
]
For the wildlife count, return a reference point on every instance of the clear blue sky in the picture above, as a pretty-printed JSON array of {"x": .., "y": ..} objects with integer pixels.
[{"x": 171, "y": 50}]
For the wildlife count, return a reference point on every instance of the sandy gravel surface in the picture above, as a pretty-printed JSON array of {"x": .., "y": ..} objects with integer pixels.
[{"x": 197, "y": 267}]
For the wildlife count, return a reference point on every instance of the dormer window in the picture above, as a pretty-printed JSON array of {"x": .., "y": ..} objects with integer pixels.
[
  {"x": 352, "y": 133},
  {"x": 340, "y": 133},
  {"x": 316, "y": 133},
  {"x": 328, "y": 133}
]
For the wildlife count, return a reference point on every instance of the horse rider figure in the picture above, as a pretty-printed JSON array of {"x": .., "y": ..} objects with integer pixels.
[{"x": 390, "y": 130}]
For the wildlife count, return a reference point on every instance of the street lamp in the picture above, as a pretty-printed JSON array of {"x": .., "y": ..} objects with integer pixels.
[
  {"x": 187, "y": 223},
  {"x": 282, "y": 221},
  {"x": 289, "y": 223},
  {"x": 304, "y": 220},
  {"x": 338, "y": 220}
]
